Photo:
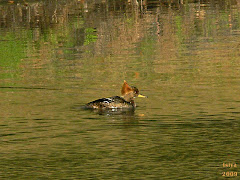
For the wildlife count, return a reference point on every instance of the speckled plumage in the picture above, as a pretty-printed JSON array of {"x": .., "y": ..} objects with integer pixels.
[{"x": 110, "y": 103}]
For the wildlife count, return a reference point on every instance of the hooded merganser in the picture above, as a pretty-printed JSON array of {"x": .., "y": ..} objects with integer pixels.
[{"x": 125, "y": 101}]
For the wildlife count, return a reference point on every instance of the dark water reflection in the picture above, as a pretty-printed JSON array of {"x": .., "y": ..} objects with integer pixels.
[{"x": 56, "y": 56}]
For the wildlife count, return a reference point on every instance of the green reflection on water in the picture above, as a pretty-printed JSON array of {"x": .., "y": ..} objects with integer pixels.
[
  {"x": 12, "y": 51},
  {"x": 90, "y": 36}
]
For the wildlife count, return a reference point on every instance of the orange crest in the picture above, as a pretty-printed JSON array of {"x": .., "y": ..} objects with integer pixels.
[{"x": 125, "y": 88}]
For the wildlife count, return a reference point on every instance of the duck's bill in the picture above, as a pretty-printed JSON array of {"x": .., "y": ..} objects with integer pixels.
[{"x": 142, "y": 96}]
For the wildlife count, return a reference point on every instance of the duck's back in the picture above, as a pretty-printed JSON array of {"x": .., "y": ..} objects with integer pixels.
[{"x": 109, "y": 103}]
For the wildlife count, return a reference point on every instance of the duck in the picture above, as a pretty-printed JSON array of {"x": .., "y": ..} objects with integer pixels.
[{"x": 117, "y": 102}]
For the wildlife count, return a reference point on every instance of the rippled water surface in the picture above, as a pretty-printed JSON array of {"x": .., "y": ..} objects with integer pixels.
[{"x": 55, "y": 56}]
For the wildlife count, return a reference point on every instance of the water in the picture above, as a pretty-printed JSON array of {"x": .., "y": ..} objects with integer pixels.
[{"x": 57, "y": 56}]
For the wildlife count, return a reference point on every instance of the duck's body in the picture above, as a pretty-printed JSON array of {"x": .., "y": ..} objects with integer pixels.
[
  {"x": 110, "y": 103},
  {"x": 125, "y": 101}
]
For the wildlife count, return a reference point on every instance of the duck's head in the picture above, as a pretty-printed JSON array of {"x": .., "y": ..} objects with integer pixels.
[{"x": 129, "y": 92}]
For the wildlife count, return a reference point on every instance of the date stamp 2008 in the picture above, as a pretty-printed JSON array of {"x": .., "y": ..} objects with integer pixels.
[{"x": 230, "y": 173}]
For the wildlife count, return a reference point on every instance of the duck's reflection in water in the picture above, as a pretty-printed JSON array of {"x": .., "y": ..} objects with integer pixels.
[{"x": 114, "y": 112}]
